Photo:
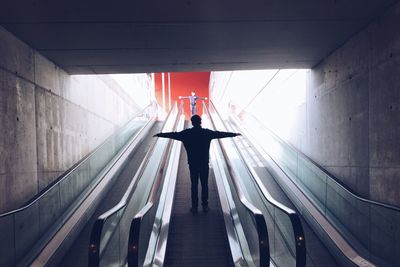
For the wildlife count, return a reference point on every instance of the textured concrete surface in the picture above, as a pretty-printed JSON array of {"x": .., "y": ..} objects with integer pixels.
[
  {"x": 353, "y": 111},
  {"x": 18, "y": 139},
  {"x": 16, "y": 55},
  {"x": 337, "y": 129},
  {"x": 49, "y": 119}
]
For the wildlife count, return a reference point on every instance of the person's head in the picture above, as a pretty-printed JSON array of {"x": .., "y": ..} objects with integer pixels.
[
  {"x": 193, "y": 93},
  {"x": 196, "y": 120}
]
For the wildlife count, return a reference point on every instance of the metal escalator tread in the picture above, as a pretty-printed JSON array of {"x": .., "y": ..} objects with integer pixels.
[
  {"x": 196, "y": 239},
  {"x": 77, "y": 255}
]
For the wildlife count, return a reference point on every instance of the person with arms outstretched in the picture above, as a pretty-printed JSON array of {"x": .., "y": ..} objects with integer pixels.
[
  {"x": 193, "y": 100},
  {"x": 196, "y": 141}
]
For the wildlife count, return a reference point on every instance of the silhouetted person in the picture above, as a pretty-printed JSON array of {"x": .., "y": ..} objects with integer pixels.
[
  {"x": 197, "y": 144},
  {"x": 193, "y": 100}
]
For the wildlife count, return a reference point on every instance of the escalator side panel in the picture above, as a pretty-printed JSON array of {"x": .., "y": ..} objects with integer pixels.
[{"x": 77, "y": 254}]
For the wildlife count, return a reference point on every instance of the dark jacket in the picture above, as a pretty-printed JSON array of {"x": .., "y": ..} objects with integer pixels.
[{"x": 197, "y": 142}]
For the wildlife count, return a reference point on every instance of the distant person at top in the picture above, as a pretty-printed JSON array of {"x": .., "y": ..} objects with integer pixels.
[
  {"x": 197, "y": 144},
  {"x": 193, "y": 99}
]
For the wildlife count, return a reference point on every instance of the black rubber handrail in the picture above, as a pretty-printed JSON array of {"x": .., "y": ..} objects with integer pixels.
[
  {"x": 95, "y": 236},
  {"x": 134, "y": 232},
  {"x": 262, "y": 230},
  {"x": 297, "y": 227},
  {"x": 328, "y": 174},
  {"x": 72, "y": 169}
]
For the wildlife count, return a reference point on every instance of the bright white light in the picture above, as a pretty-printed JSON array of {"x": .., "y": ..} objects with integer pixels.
[
  {"x": 135, "y": 86},
  {"x": 273, "y": 96}
]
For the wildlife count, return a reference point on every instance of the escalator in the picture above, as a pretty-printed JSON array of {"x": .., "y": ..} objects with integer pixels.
[
  {"x": 165, "y": 233},
  {"x": 77, "y": 254},
  {"x": 161, "y": 235},
  {"x": 356, "y": 231},
  {"x": 109, "y": 234},
  {"x": 316, "y": 251},
  {"x": 286, "y": 240},
  {"x": 254, "y": 221}
]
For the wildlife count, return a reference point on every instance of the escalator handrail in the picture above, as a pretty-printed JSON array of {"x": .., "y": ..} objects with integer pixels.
[
  {"x": 270, "y": 199},
  {"x": 351, "y": 256},
  {"x": 134, "y": 232},
  {"x": 261, "y": 225},
  {"x": 328, "y": 174},
  {"x": 95, "y": 236},
  {"x": 139, "y": 173},
  {"x": 64, "y": 176},
  {"x": 297, "y": 227}
]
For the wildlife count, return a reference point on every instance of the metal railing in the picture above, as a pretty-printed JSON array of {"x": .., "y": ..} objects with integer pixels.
[
  {"x": 144, "y": 234},
  {"x": 252, "y": 232},
  {"x": 286, "y": 236},
  {"x": 109, "y": 237}
]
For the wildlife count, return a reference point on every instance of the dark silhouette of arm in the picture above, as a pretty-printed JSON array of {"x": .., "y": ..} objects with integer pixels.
[
  {"x": 218, "y": 134},
  {"x": 171, "y": 135}
]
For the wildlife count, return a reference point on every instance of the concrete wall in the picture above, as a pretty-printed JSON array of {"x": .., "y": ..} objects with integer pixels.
[
  {"x": 353, "y": 111},
  {"x": 49, "y": 119},
  {"x": 350, "y": 120}
]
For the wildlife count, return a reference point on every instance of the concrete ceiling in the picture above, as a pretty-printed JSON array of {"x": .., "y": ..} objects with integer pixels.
[{"x": 98, "y": 36}]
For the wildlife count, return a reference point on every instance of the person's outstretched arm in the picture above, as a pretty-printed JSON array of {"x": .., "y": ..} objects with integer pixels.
[
  {"x": 171, "y": 135},
  {"x": 218, "y": 134},
  {"x": 202, "y": 98},
  {"x": 184, "y": 97}
]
